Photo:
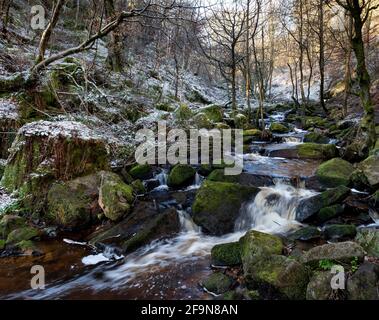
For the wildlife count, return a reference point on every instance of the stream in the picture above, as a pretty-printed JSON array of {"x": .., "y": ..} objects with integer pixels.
[{"x": 170, "y": 268}]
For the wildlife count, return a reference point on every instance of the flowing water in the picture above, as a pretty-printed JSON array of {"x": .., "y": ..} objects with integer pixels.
[{"x": 172, "y": 268}]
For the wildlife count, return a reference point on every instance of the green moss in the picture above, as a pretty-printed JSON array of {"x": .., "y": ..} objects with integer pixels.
[
  {"x": 202, "y": 122},
  {"x": 213, "y": 112},
  {"x": 219, "y": 175},
  {"x": 278, "y": 128},
  {"x": 2, "y": 245},
  {"x": 252, "y": 132},
  {"x": 8, "y": 223},
  {"x": 335, "y": 172},
  {"x": 334, "y": 195},
  {"x": 164, "y": 107},
  {"x": 330, "y": 212},
  {"x": 25, "y": 245},
  {"x": 138, "y": 187},
  {"x": 258, "y": 243},
  {"x": 180, "y": 175},
  {"x": 241, "y": 121},
  {"x": 221, "y": 125},
  {"x": 115, "y": 197},
  {"x": 183, "y": 112},
  {"x": 315, "y": 122},
  {"x": 305, "y": 234},
  {"x": 226, "y": 254},
  {"x": 218, "y": 283},
  {"x": 26, "y": 233},
  {"x": 315, "y": 137},
  {"x": 338, "y": 231},
  {"x": 369, "y": 240},
  {"x": 141, "y": 171},
  {"x": 317, "y": 151}
]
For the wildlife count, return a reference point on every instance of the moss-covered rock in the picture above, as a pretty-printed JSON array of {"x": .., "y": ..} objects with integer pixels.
[
  {"x": 9, "y": 124},
  {"x": 341, "y": 251},
  {"x": 317, "y": 151},
  {"x": 25, "y": 233},
  {"x": 315, "y": 122},
  {"x": 217, "y": 205},
  {"x": 306, "y": 234},
  {"x": 2, "y": 167},
  {"x": 363, "y": 284},
  {"x": 315, "y": 137},
  {"x": 278, "y": 128},
  {"x": 202, "y": 122},
  {"x": 368, "y": 238},
  {"x": 213, "y": 112},
  {"x": 340, "y": 231},
  {"x": 181, "y": 175},
  {"x": 8, "y": 223},
  {"x": 164, "y": 107},
  {"x": 47, "y": 151},
  {"x": 115, "y": 197},
  {"x": 241, "y": 121},
  {"x": 335, "y": 172},
  {"x": 141, "y": 171},
  {"x": 138, "y": 187},
  {"x": 367, "y": 173},
  {"x": 183, "y": 113},
  {"x": 226, "y": 254},
  {"x": 2, "y": 245},
  {"x": 219, "y": 175},
  {"x": 310, "y": 206},
  {"x": 319, "y": 286},
  {"x": 330, "y": 212},
  {"x": 218, "y": 283}
]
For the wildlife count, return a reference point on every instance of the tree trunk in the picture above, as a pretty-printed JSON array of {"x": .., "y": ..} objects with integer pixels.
[{"x": 322, "y": 55}]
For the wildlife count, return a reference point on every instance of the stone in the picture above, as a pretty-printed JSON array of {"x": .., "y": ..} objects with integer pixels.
[
  {"x": 217, "y": 205},
  {"x": 319, "y": 286},
  {"x": 340, "y": 231},
  {"x": 25, "y": 233},
  {"x": 141, "y": 171},
  {"x": 181, "y": 175},
  {"x": 306, "y": 234},
  {"x": 218, "y": 283},
  {"x": 330, "y": 212},
  {"x": 341, "y": 251},
  {"x": 368, "y": 238},
  {"x": 317, "y": 151},
  {"x": 278, "y": 128},
  {"x": 335, "y": 172},
  {"x": 226, "y": 254},
  {"x": 364, "y": 283},
  {"x": 315, "y": 137},
  {"x": 310, "y": 206}
]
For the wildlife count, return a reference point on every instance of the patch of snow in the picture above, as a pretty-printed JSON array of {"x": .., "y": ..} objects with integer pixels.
[
  {"x": 8, "y": 109},
  {"x": 67, "y": 129},
  {"x": 5, "y": 200},
  {"x": 94, "y": 259},
  {"x": 69, "y": 241}
]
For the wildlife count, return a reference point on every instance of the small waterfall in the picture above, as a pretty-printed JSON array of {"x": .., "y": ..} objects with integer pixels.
[
  {"x": 293, "y": 139},
  {"x": 186, "y": 222},
  {"x": 162, "y": 177},
  {"x": 198, "y": 180},
  {"x": 273, "y": 209}
]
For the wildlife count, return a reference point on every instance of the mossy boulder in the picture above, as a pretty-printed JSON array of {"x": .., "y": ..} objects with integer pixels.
[
  {"x": 340, "y": 231},
  {"x": 317, "y": 151},
  {"x": 25, "y": 233},
  {"x": 218, "y": 283},
  {"x": 164, "y": 107},
  {"x": 368, "y": 238},
  {"x": 226, "y": 254},
  {"x": 330, "y": 212},
  {"x": 255, "y": 243},
  {"x": 202, "y": 122},
  {"x": 315, "y": 122},
  {"x": 141, "y": 171},
  {"x": 319, "y": 286},
  {"x": 115, "y": 197},
  {"x": 367, "y": 173},
  {"x": 278, "y": 128},
  {"x": 181, "y": 175},
  {"x": 8, "y": 223},
  {"x": 217, "y": 205},
  {"x": 306, "y": 234},
  {"x": 315, "y": 137},
  {"x": 310, "y": 206},
  {"x": 183, "y": 113},
  {"x": 363, "y": 284},
  {"x": 219, "y": 175},
  {"x": 341, "y": 251},
  {"x": 241, "y": 121},
  {"x": 2, "y": 167},
  {"x": 335, "y": 172},
  {"x": 213, "y": 112},
  {"x": 45, "y": 151},
  {"x": 138, "y": 187},
  {"x": 2, "y": 244}
]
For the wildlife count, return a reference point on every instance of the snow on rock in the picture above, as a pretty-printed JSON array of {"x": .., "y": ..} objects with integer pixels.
[
  {"x": 66, "y": 129},
  {"x": 5, "y": 200},
  {"x": 8, "y": 109}
]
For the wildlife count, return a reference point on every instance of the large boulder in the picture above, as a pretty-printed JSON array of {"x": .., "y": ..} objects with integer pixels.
[
  {"x": 364, "y": 283},
  {"x": 143, "y": 225},
  {"x": 80, "y": 201},
  {"x": 319, "y": 287},
  {"x": 367, "y": 173},
  {"x": 226, "y": 254},
  {"x": 335, "y": 172},
  {"x": 306, "y": 234},
  {"x": 213, "y": 112},
  {"x": 141, "y": 171},
  {"x": 267, "y": 270},
  {"x": 45, "y": 151},
  {"x": 317, "y": 151},
  {"x": 341, "y": 252},
  {"x": 217, "y": 205},
  {"x": 330, "y": 212},
  {"x": 315, "y": 137},
  {"x": 278, "y": 128},
  {"x": 181, "y": 175},
  {"x": 310, "y": 206},
  {"x": 340, "y": 231},
  {"x": 368, "y": 238},
  {"x": 8, "y": 223}
]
